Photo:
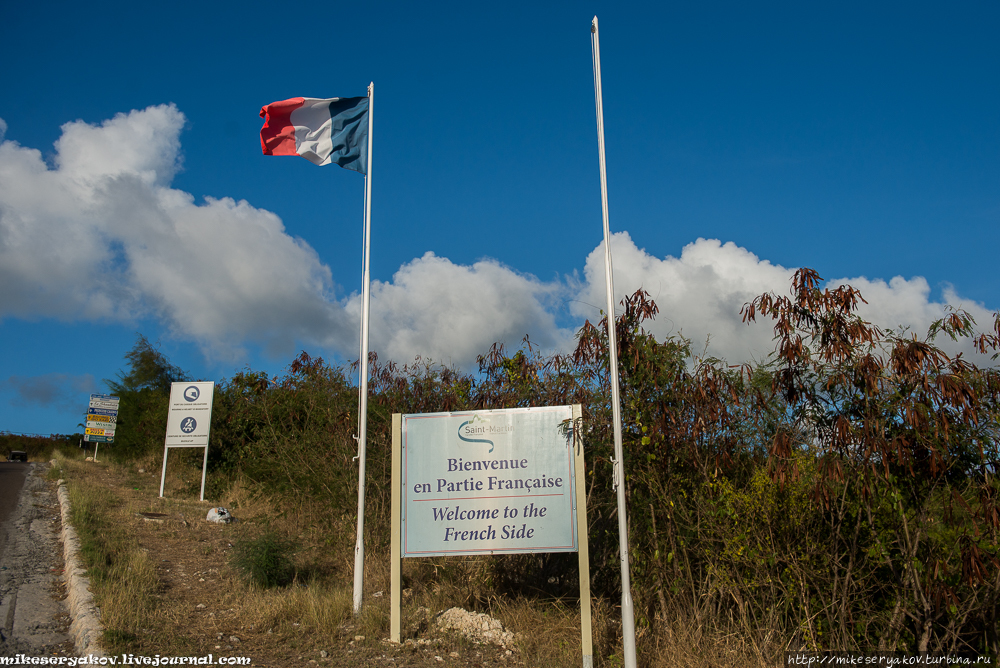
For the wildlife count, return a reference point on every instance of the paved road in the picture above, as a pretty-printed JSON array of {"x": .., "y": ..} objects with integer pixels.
[
  {"x": 33, "y": 619},
  {"x": 12, "y": 475}
]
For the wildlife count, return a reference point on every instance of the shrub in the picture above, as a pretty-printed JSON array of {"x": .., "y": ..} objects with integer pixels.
[{"x": 265, "y": 560}]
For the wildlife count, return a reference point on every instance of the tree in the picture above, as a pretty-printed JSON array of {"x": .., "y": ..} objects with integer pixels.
[
  {"x": 149, "y": 369},
  {"x": 144, "y": 392}
]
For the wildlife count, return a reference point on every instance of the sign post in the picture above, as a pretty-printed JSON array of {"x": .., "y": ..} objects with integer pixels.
[
  {"x": 489, "y": 482},
  {"x": 102, "y": 418},
  {"x": 188, "y": 422}
]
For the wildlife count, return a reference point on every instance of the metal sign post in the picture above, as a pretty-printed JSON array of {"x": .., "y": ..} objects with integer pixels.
[{"x": 189, "y": 421}]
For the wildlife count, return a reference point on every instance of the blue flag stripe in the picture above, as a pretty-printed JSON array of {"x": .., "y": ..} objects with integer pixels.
[{"x": 349, "y": 133}]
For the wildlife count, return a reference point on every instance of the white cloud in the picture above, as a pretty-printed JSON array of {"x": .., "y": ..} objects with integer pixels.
[
  {"x": 144, "y": 144},
  {"x": 451, "y": 313},
  {"x": 905, "y": 305},
  {"x": 100, "y": 235},
  {"x": 701, "y": 294}
]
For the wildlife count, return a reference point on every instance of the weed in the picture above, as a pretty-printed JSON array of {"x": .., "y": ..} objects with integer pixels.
[{"x": 265, "y": 560}]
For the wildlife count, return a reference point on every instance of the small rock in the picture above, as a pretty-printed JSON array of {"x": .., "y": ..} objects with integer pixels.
[
  {"x": 438, "y": 658},
  {"x": 454, "y": 655},
  {"x": 323, "y": 654},
  {"x": 234, "y": 639},
  {"x": 200, "y": 606},
  {"x": 359, "y": 638}
]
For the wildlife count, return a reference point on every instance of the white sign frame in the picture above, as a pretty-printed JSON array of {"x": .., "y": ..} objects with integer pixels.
[
  {"x": 189, "y": 421},
  {"x": 403, "y": 487}
]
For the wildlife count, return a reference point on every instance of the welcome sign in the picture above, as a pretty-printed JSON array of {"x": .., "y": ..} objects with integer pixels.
[{"x": 488, "y": 482}]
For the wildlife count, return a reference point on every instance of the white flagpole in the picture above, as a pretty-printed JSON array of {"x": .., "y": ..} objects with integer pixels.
[
  {"x": 628, "y": 614},
  {"x": 359, "y": 547}
]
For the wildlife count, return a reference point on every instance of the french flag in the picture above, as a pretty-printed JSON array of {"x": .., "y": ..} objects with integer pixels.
[{"x": 327, "y": 131}]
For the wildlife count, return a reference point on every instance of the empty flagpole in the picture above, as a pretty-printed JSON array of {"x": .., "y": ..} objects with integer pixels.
[
  {"x": 628, "y": 614},
  {"x": 359, "y": 547}
]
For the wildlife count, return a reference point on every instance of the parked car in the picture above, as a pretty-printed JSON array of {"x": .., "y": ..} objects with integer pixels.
[{"x": 17, "y": 456}]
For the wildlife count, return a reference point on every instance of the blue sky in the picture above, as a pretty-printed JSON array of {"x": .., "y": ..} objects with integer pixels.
[{"x": 742, "y": 142}]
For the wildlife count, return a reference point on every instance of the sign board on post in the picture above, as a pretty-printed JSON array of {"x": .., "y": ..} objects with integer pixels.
[
  {"x": 189, "y": 420},
  {"x": 102, "y": 417},
  {"x": 489, "y": 482}
]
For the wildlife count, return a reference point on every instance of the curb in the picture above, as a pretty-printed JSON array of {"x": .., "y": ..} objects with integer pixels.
[{"x": 85, "y": 627}]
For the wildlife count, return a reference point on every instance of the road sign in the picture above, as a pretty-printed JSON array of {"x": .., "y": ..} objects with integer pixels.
[
  {"x": 190, "y": 414},
  {"x": 105, "y": 401},
  {"x": 108, "y": 419},
  {"x": 189, "y": 420},
  {"x": 102, "y": 418}
]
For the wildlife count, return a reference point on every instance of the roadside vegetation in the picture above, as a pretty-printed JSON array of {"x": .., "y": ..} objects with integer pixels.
[
  {"x": 37, "y": 447},
  {"x": 840, "y": 495}
]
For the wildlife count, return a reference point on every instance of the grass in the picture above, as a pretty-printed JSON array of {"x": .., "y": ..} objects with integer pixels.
[
  {"x": 265, "y": 560},
  {"x": 298, "y": 598},
  {"x": 122, "y": 576}
]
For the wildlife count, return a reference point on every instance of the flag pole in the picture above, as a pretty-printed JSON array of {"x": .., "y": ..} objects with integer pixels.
[
  {"x": 359, "y": 547},
  {"x": 628, "y": 614}
]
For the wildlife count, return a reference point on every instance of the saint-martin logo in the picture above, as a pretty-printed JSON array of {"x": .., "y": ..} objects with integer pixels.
[
  {"x": 474, "y": 426},
  {"x": 479, "y": 426}
]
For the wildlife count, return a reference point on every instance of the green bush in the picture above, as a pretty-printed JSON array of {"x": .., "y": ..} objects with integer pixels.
[{"x": 265, "y": 560}]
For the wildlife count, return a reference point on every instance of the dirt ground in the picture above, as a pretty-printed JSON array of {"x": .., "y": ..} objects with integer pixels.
[{"x": 202, "y": 608}]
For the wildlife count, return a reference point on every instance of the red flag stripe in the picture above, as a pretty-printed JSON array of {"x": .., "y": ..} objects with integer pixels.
[{"x": 277, "y": 137}]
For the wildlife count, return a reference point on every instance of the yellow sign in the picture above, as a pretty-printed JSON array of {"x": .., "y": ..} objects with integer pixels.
[
  {"x": 98, "y": 418},
  {"x": 98, "y": 432}
]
